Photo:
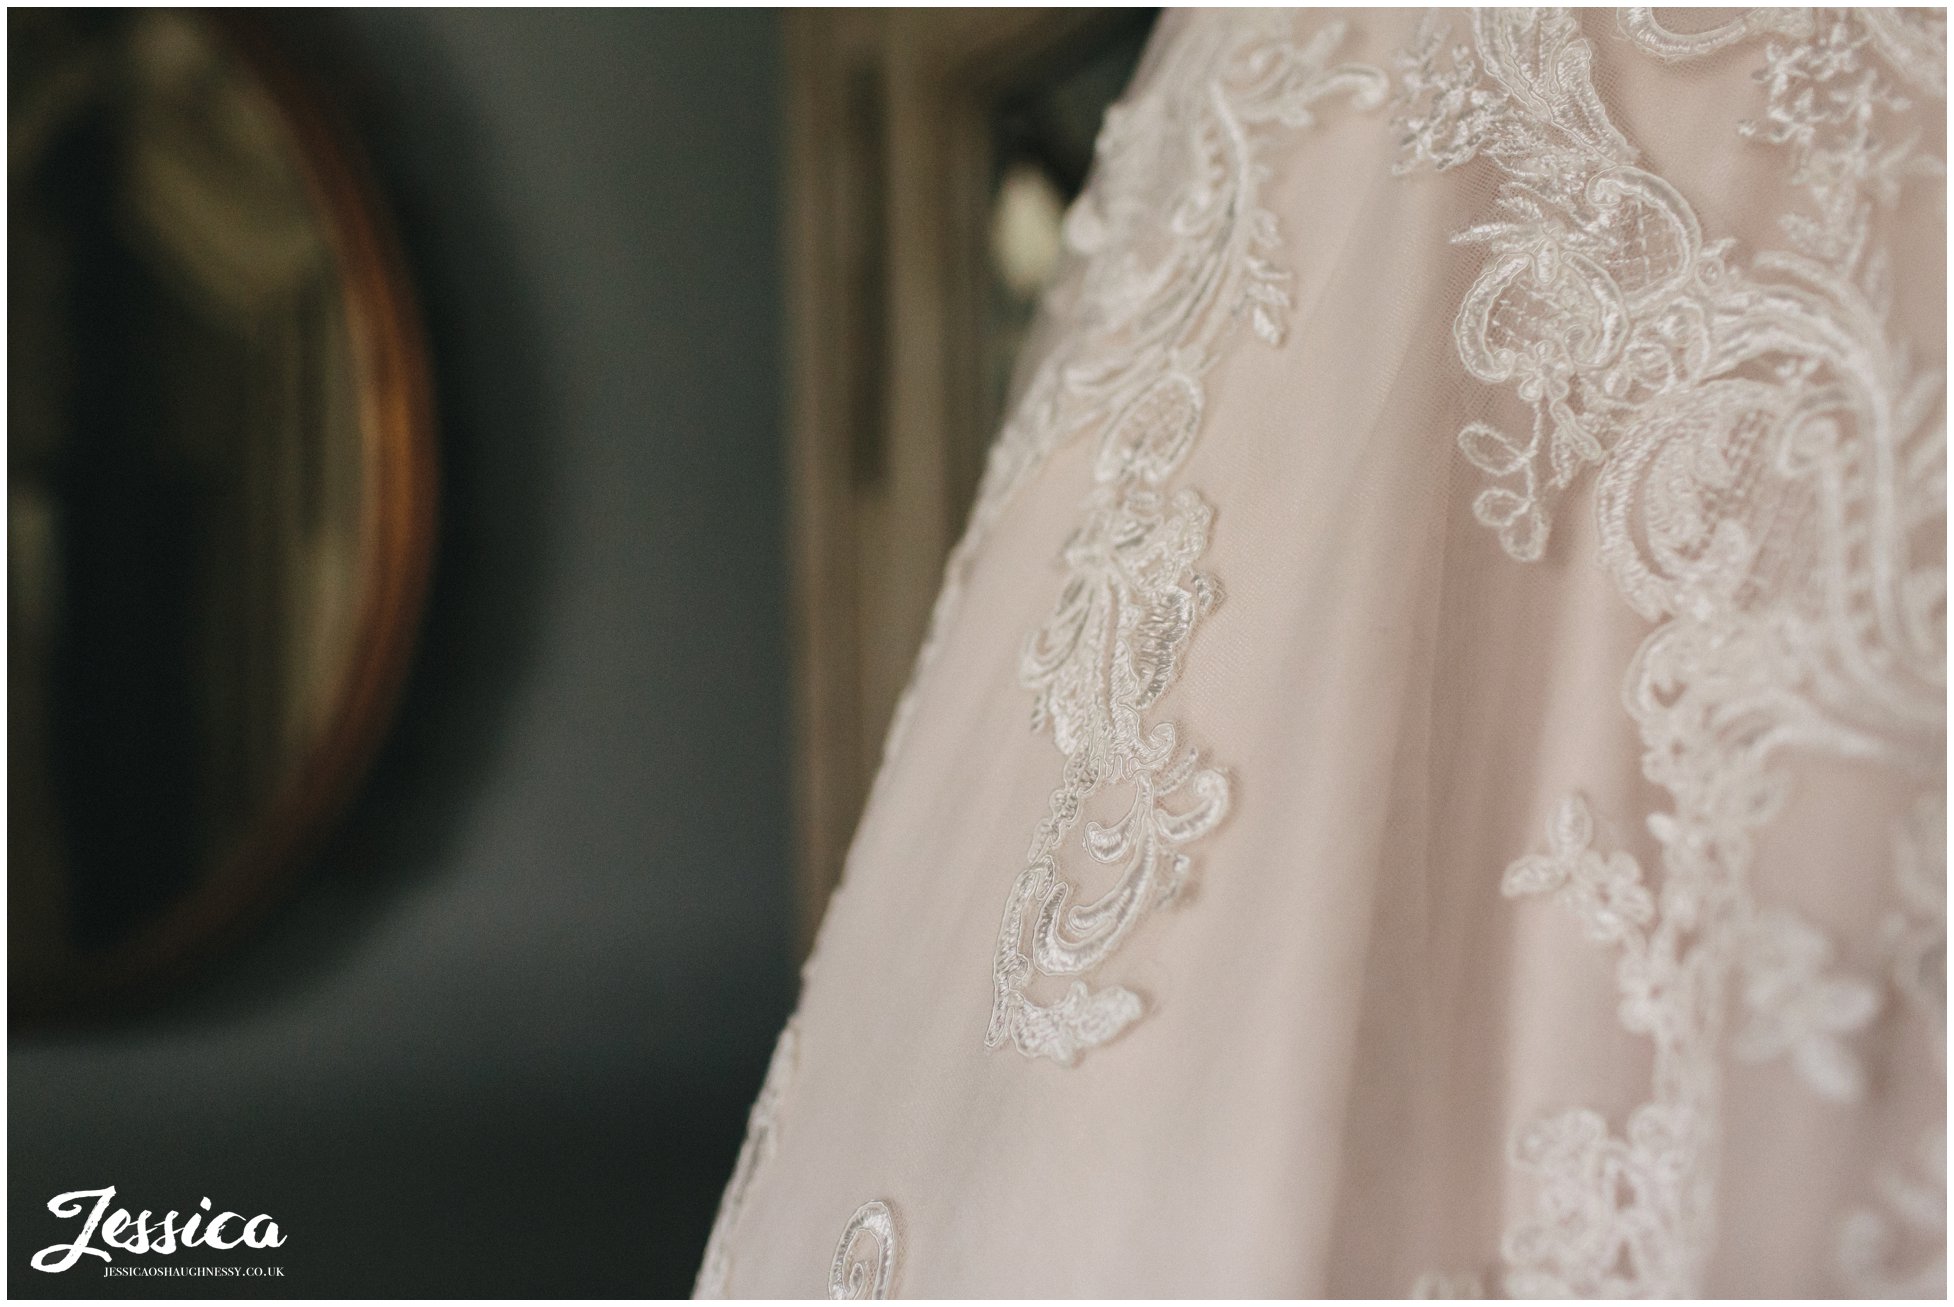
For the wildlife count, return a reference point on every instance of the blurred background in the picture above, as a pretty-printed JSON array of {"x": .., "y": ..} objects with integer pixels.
[{"x": 476, "y": 483}]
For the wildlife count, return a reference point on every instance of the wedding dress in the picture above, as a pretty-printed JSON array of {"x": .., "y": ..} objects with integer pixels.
[{"x": 1529, "y": 879}]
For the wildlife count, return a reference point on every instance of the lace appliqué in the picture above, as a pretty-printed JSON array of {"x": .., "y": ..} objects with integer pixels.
[
  {"x": 1545, "y": 314},
  {"x": 1642, "y": 27},
  {"x": 1174, "y": 249},
  {"x": 1896, "y": 1246},
  {"x": 1797, "y": 1007},
  {"x": 1607, "y": 893},
  {"x": 865, "y": 1259},
  {"x": 1614, "y": 1216},
  {"x": 755, "y": 1150},
  {"x": 1771, "y": 493}
]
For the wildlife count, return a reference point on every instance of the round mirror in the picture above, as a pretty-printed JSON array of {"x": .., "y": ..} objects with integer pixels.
[{"x": 220, "y": 495}]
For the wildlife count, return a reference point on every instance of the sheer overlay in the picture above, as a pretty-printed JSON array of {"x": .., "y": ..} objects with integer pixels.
[{"x": 1427, "y": 774}]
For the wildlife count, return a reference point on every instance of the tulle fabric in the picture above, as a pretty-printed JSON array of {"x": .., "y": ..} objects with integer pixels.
[{"x": 1345, "y": 1023}]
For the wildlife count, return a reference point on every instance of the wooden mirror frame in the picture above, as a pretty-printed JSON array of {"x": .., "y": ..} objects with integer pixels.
[{"x": 399, "y": 468}]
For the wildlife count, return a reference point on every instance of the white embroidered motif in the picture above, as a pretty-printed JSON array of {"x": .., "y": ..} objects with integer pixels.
[
  {"x": 1794, "y": 1008},
  {"x": 1769, "y": 476},
  {"x": 1174, "y": 248},
  {"x": 1771, "y": 492},
  {"x": 865, "y": 1259},
  {"x": 1577, "y": 1234},
  {"x": 1896, "y": 1247},
  {"x": 754, "y": 1152},
  {"x": 1607, "y": 893},
  {"x": 1642, "y": 27},
  {"x": 1575, "y": 1242},
  {"x": 1166, "y": 251}
]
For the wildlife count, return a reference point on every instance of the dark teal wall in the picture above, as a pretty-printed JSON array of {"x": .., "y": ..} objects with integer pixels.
[{"x": 503, "y": 1041}]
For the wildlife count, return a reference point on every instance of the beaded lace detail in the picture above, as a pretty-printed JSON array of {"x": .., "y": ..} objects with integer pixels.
[
  {"x": 1771, "y": 493},
  {"x": 865, "y": 1259},
  {"x": 1174, "y": 249}
]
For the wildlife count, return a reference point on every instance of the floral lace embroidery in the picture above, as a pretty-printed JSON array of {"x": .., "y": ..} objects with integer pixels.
[
  {"x": 1771, "y": 492},
  {"x": 1897, "y": 1246},
  {"x": 1642, "y": 27},
  {"x": 1175, "y": 249},
  {"x": 865, "y": 1259},
  {"x": 1545, "y": 314},
  {"x": 1580, "y": 1238},
  {"x": 1164, "y": 252},
  {"x": 755, "y": 1150},
  {"x": 1574, "y": 1244},
  {"x": 1794, "y": 1008},
  {"x": 1605, "y": 892}
]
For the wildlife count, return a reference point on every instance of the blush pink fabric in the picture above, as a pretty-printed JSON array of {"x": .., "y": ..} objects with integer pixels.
[{"x": 1346, "y": 1023}]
